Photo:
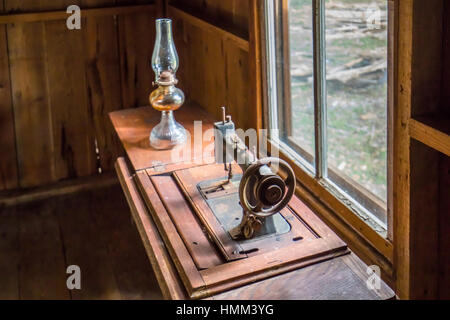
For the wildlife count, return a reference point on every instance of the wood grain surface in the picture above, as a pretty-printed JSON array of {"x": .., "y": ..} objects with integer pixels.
[
  {"x": 339, "y": 278},
  {"x": 58, "y": 85},
  {"x": 133, "y": 127},
  {"x": 91, "y": 229}
]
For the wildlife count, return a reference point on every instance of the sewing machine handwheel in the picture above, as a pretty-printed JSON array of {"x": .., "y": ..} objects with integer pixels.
[{"x": 258, "y": 209}]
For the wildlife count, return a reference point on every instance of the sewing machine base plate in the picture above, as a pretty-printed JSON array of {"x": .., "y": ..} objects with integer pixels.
[
  {"x": 196, "y": 230},
  {"x": 222, "y": 197}
]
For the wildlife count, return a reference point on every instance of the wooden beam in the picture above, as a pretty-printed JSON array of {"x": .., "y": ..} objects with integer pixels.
[
  {"x": 416, "y": 219},
  {"x": 401, "y": 180},
  {"x": 180, "y": 14},
  {"x": 255, "y": 58},
  {"x": 62, "y": 15},
  {"x": 431, "y": 132},
  {"x": 15, "y": 197},
  {"x": 8, "y": 157}
]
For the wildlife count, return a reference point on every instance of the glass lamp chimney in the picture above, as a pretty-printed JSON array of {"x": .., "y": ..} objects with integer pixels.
[{"x": 165, "y": 57}]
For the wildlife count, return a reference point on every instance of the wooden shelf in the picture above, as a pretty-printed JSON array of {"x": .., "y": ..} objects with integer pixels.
[{"x": 432, "y": 131}]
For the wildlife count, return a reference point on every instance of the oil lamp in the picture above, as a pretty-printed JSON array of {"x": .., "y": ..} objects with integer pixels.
[{"x": 166, "y": 97}]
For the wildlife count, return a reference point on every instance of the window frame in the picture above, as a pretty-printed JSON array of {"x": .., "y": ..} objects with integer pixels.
[{"x": 351, "y": 220}]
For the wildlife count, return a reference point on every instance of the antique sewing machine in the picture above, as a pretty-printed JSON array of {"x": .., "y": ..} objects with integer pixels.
[{"x": 254, "y": 198}]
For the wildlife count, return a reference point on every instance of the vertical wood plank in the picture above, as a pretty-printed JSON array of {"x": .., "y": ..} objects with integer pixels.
[
  {"x": 221, "y": 72},
  {"x": 74, "y": 148},
  {"x": 254, "y": 58},
  {"x": 402, "y": 113},
  {"x": 213, "y": 91},
  {"x": 64, "y": 84},
  {"x": 416, "y": 218},
  {"x": 32, "y": 113},
  {"x": 184, "y": 46},
  {"x": 8, "y": 157},
  {"x": 238, "y": 87},
  {"x": 136, "y": 41},
  {"x": 445, "y": 103},
  {"x": 103, "y": 82},
  {"x": 427, "y": 59},
  {"x": 392, "y": 41}
]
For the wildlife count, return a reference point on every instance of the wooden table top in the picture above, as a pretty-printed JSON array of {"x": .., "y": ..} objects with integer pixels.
[
  {"x": 133, "y": 127},
  {"x": 343, "y": 277}
]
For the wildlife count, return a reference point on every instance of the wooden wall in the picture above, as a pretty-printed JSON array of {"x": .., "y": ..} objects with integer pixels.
[
  {"x": 444, "y": 180},
  {"x": 446, "y": 54},
  {"x": 58, "y": 85},
  {"x": 230, "y": 14},
  {"x": 422, "y": 151},
  {"x": 215, "y": 68}
]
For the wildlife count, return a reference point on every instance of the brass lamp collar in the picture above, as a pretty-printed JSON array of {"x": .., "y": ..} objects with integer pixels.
[{"x": 166, "y": 78}]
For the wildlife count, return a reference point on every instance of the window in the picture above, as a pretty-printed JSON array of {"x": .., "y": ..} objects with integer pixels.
[{"x": 327, "y": 80}]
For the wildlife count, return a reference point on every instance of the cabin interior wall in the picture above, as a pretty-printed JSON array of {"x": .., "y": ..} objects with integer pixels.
[
  {"x": 445, "y": 104},
  {"x": 430, "y": 221},
  {"x": 444, "y": 169},
  {"x": 429, "y": 214},
  {"x": 230, "y": 14},
  {"x": 58, "y": 85},
  {"x": 214, "y": 71},
  {"x": 444, "y": 227}
]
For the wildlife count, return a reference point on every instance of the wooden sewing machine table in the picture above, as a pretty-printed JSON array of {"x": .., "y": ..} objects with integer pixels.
[{"x": 310, "y": 262}]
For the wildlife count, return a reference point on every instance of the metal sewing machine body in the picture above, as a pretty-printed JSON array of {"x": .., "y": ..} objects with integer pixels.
[{"x": 262, "y": 191}]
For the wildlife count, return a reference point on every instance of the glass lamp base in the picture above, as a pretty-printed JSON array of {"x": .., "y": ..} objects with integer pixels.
[{"x": 168, "y": 133}]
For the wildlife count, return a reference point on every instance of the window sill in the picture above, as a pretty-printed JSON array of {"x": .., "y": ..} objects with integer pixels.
[{"x": 372, "y": 246}]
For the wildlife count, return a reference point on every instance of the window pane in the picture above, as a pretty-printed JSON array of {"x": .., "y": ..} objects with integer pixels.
[
  {"x": 301, "y": 112},
  {"x": 356, "y": 49}
]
